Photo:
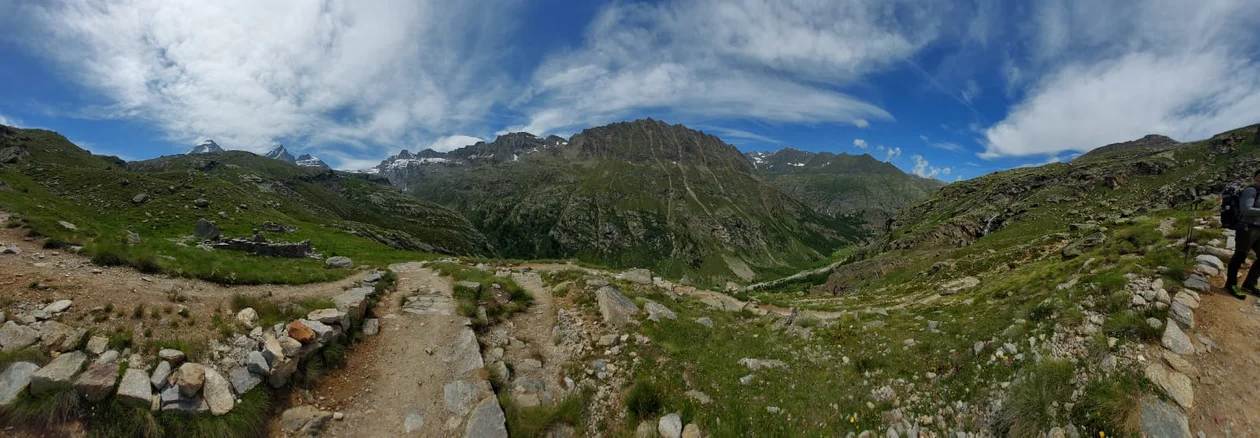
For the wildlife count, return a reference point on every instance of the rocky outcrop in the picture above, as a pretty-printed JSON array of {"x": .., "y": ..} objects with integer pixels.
[
  {"x": 339, "y": 262},
  {"x": 487, "y": 420},
  {"x": 617, "y": 309},
  {"x": 135, "y": 389},
  {"x": 206, "y": 230}
]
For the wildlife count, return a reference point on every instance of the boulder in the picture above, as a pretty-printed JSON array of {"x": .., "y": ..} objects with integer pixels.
[
  {"x": 353, "y": 301},
  {"x": 281, "y": 370},
  {"x": 53, "y": 334},
  {"x": 175, "y": 357},
  {"x": 135, "y": 389},
  {"x": 1159, "y": 419},
  {"x": 140, "y": 198},
  {"x": 640, "y": 276},
  {"x": 656, "y": 311},
  {"x": 958, "y": 285},
  {"x": 339, "y": 262},
  {"x": 304, "y": 421},
  {"x": 271, "y": 348},
  {"x": 189, "y": 378},
  {"x": 1210, "y": 260},
  {"x": 68, "y": 226},
  {"x": 692, "y": 431},
  {"x": 98, "y": 382},
  {"x": 15, "y": 337},
  {"x": 705, "y": 321},
  {"x": 615, "y": 307},
  {"x": 466, "y": 353},
  {"x": 14, "y": 380},
  {"x": 58, "y": 373},
  {"x": 487, "y": 420},
  {"x": 289, "y": 346},
  {"x": 97, "y": 344},
  {"x": 171, "y": 400},
  {"x": 206, "y": 230},
  {"x": 1176, "y": 340},
  {"x": 217, "y": 392},
  {"x": 133, "y": 238},
  {"x": 58, "y": 306},
  {"x": 1182, "y": 314},
  {"x": 1174, "y": 384},
  {"x": 160, "y": 374},
  {"x": 371, "y": 326},
  {"x": 201, "y": 203},
  {"x": 257, "y": 364},
  {"x": 1197, "y": 283},
  {"x": 243, "y": 381},
  {"x": 330, "y": 316},
  {"x": 301, "y": 332},
  {"x": 323, "y": 333},
  {"x": 670, "y": 426},
  {"x": 460, "y": 396},
  {"x": 247, "y": 317}
]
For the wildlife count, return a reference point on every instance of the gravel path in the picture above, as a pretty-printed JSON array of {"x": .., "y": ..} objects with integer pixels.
[{"x": 422, "y": 376}]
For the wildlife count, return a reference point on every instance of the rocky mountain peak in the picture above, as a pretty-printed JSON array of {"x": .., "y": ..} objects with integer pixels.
[
  {"x": 306, "y": 160},
  {"x": 280, "y": 153},
  {"x": 206, "y": 147}
]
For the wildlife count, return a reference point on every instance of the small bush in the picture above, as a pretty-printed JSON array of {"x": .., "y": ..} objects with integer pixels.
[
  {"x": 1030, "y": 407},
  {"x": 1130, "y": 325},
  {"x": 121, "y": 340},
  {"x": 45, "y": 411},
  {"x": 138, "y": 312},
  {"x": 33, "y": 355},
  {"x": 536, "y": 421},
  {"x": 1110, "y": 406},
  {"x": 55, "y": 243},
  {"x": 644, "y": 400}
]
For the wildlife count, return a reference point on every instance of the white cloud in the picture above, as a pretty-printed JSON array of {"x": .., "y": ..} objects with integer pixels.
[
  {"x": 860, "y": 143},
  {"x": 446, "y": 144},
  {"x": 769, "y": 60},
  {"x": 9, "y": 122},
  {"x": 923, "y": 137},
  {"x": 861, "y": 123},
  {"x": 1168, "y": 67},
  {"x": 889, "y": 153},
  {"x": 945, "y": 145},
  {"x": 1081, "y": 107},
  {"x": 925, "y": 169},
  {"x": 246, "y": 73}
]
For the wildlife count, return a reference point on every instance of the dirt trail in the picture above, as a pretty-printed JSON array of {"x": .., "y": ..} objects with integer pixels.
[
  {"x": 1227, "y": 388},
  {"x": 403, "y": 381}
]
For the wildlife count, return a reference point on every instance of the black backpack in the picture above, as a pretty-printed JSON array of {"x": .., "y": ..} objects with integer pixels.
[{"x": 1229, "y": 206}]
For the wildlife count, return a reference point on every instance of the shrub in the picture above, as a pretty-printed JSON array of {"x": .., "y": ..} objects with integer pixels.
[
  {"x": 644, "y": 400},
  {"x": 1030, "y": 406},
  {"x": 1110, "y": 406}
]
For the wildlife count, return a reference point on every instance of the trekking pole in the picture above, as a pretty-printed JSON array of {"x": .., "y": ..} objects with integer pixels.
[{"x": 1194, "y": 214}]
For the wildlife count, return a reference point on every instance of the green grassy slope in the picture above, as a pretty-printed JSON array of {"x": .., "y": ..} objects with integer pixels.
[{"x": 57, "y": 181}]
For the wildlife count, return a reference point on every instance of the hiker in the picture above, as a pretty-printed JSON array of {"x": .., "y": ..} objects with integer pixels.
[{"x": 1246, "y": 240}]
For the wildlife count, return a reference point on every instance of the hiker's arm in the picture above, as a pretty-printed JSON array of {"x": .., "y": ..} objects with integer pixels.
[{"x": 1247, "y": 203}]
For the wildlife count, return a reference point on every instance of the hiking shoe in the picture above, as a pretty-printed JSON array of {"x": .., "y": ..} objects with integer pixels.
[
  {"x": 1236, "y": 291},
  {"x": 1252, "y": 290}
]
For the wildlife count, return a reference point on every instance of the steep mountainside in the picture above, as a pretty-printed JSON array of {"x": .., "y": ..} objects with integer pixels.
[
  {"x": 843, "y": 185},
  {"x": 53, "y": 180},
  {"x": 642, "y": 193}
]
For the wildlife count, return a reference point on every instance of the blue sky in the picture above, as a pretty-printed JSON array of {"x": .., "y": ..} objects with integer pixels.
[{"x": 946, "y": 89}]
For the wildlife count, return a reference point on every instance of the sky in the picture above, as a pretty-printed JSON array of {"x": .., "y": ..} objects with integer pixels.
[{"x": 943, "y": 89}]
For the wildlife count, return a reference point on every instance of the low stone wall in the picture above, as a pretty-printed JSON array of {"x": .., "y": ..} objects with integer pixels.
[{"x": 270, "y": 249}]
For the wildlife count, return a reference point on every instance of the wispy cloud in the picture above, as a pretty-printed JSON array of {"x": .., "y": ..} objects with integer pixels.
[
  {"x": 860, "y": 143},
  {"x": 7, "y": 121},
  {"x": 728, "y": 133},
  {"x": 771, "y": 60}
]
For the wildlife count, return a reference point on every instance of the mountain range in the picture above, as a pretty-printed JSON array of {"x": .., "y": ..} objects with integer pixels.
[
  {"x": 304, "y": 160},
  {"x": 645, "y": 194}
]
